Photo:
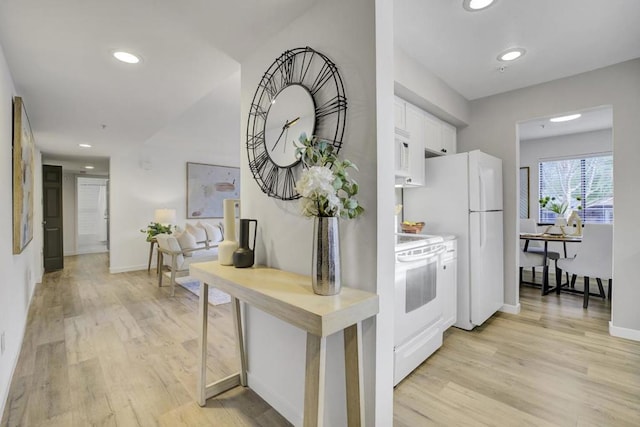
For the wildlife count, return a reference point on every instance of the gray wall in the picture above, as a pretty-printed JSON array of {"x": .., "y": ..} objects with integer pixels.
[{"x": 493, "y": 129}]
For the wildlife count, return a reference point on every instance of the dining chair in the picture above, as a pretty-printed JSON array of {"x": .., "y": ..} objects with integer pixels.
[
  {"x": 528, "y": 225},
  {"x": 593, "y": 259}
]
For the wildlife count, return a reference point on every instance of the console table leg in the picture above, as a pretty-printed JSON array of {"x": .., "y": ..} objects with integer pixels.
[
  {"x": 353, "y": 375},
  {"x": 315, "y": 381},
  {"x": 237, "y": 325},
  {"x": 202, "y": 342}
]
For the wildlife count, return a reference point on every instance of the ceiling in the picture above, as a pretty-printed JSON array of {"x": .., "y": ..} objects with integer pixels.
[
  {"x": 562, "y": 38},
  {"x": 590, "y": 120},
  {"x": 187, "y": 87}
]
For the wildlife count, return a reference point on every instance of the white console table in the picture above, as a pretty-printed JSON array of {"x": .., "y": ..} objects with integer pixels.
[{"x": 289, "y": 297}]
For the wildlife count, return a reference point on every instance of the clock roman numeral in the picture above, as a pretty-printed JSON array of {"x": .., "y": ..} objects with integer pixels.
[
  {"x": 332, "y": 106},
  {"x": 324, "y": 75},
  {"x": 287, "y": 68},
  {"x": 269, "y": 86},
  {"x": 259, "y": 163},
  {"x": 306, "y": 60},
  {"x": 257, "y": 111},
  {"x": 271, "y": 179},
  {"x": 289, "y": 185},
  {"x": 255, "y": 140}
]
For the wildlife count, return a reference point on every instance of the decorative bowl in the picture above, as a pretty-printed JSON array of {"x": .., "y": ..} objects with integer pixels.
[{"x": 412, "y": 227}]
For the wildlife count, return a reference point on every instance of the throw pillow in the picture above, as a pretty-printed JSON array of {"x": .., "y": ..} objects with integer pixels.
[
  {"x": 214, "y": 234},
  {"x": 186, "y": 241},
  {"x": 197, "y": 232}
]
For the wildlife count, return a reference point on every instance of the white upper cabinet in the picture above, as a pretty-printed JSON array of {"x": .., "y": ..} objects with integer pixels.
[
  {"x": 449, "y": 135},
  {"x": 433, "y": 133},
  {"x": 415, "y": 127},
  {"x": 400, "y": 113}
]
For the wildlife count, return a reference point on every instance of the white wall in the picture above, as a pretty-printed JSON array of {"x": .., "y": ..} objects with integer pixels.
[
  {"x": 344, "y": 31},
  {"x": 493, "y": 129},
  {"x": 143, "y": 180},
  {"x": 20, "y": 272},
  {"x": 421, "y": 87},
  {"x": 578, "y": 144}
]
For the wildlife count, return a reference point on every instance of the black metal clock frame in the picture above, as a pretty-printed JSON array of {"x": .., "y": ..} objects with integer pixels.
[{"x": 319, "y": 75}]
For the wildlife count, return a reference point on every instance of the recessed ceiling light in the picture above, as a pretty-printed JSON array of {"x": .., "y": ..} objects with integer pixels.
[
  {"x": 127, "y": 57},
  {"x": 511, "y": 54},
  {"x": 565, "y": 118},
  {"x": 89, "y": 167},
  {"x": 475, "y": 5},
  {"x": 84, "y": 145}
]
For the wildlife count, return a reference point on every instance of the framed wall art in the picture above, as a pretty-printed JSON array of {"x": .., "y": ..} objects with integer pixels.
[
  {"x": 23, "y": 177},
  {"x": 524, "y": 192},
  {"x": 208, "y": 186}
]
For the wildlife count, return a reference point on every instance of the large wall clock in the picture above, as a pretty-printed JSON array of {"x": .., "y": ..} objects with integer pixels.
[{"x": 301, "y": 91}]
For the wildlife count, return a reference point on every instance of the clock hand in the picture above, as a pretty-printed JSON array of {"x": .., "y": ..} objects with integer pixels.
[{"x": 285, "y": 127}]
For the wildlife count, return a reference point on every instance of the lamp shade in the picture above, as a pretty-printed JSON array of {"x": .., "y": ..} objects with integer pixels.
[{"x": 165, "y": 216}]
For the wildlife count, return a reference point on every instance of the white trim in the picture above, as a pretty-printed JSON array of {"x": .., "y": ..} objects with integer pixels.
[
  {"x": 115, "y": 270},
  {"x": 285, "y": 408},
  {"x": 630, "y": 334},
  {"x": 510, "y": 308}
]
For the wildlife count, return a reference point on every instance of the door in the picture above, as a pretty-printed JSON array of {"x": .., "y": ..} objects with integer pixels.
[
  {"x": 486, "y": 265},
  {"x": 53, "y": 250},
  {"x": 485, "y": 182}
]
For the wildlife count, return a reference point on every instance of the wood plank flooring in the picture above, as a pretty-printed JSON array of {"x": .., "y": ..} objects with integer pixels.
[
  {"x": 554, "y": 364},
  {"x": 114, "y": 350}
]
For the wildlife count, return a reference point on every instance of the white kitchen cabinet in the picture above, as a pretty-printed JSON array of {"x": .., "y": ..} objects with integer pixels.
[
  {"x": 449, "y": 135},
  {"x": 400, "y": 113},
  {"x": 415, "y": 127},
  {"x": 432, "y": 133},
  {"x": 448, "y": 284}
]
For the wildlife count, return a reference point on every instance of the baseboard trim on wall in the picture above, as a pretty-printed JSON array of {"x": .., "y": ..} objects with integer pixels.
[
  {"x": 283, "y": 406},
  {"x": 114, "y": 270},
  {"x": 511, "y": 309},
  {"x": 630, "y": 334}
]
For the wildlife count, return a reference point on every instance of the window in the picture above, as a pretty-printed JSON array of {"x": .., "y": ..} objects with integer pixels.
[{"x": 585, "y": 182}]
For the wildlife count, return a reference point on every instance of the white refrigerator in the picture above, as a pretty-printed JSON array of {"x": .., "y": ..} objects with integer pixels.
[{"x": 462, "y": 195}]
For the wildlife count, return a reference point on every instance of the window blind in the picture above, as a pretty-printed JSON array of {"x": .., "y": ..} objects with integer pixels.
[{"x": 586, "y": 182}]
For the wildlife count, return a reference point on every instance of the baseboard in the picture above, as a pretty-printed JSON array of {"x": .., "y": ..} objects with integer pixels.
[
  {"x": 70, "y": 253},
  {"x": 511, "y": 309},
  {"x": 283, "y": 406},
  {"x": 630, "y": 334},
  {"x": 114, "y": 270}
]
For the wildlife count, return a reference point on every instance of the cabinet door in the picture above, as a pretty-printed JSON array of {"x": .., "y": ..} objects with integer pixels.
[
  {"x": 400, "y": 116},
  {"x": 449, "y": 144},
  {"x": 432, "y": 133},
  {"x": 415, "y": 127},
  {"x": 447, "y": 282}
]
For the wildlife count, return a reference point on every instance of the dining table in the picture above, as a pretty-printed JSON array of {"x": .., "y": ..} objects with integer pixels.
[{"x": 546, "y": 238}]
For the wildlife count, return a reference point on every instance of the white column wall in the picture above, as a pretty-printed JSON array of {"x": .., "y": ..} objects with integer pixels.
[{"x": 346, "y": 33}]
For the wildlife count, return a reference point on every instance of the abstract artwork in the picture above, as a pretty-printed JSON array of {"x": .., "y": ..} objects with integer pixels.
[
  {"x": 23, "y": 177},
  {"x": 208, "y": 186}
]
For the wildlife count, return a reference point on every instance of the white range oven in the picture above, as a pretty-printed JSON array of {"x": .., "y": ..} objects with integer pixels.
[{"x": 418, "y": 307}]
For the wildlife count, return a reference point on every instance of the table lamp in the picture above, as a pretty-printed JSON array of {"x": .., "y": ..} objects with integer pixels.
[{"x": 165, "y": 216}]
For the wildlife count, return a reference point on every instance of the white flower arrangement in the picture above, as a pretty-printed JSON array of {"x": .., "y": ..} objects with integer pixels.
[{"x": 326, "y": 188}]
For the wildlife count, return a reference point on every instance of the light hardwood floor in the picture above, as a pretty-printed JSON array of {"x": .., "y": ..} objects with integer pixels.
[
  {"x": 113, "y": 350},
  {"x": 554, "y": 364},
  {"x": 116, "y": 350}
]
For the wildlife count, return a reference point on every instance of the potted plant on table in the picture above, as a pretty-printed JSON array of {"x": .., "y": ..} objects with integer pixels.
[
  {"x": 560, "y": 209},
  {"x": 327, "y": 193},
  {"x": 155, "y": 228}
]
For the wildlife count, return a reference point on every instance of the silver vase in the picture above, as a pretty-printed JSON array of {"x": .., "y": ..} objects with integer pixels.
[{"x": 325, "y": 269}]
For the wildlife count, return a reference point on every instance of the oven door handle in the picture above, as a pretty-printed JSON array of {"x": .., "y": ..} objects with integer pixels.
[{"x": 421, "y": 257}]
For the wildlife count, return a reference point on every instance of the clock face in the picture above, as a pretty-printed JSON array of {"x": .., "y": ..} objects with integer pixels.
[{"x": 301, "y": 92}]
